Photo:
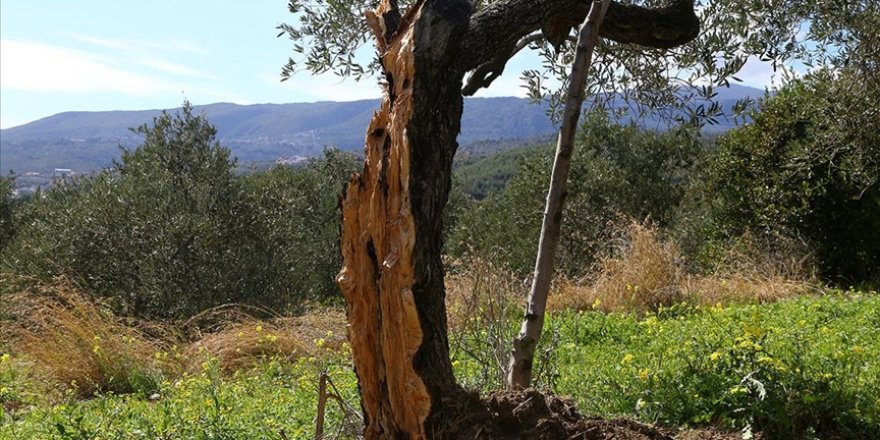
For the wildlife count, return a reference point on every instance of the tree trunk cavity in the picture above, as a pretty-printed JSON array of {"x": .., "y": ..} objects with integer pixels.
[{"x": 392, "y": 275}]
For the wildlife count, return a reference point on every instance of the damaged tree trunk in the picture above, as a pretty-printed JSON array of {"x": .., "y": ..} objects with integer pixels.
[
  {"x": 392, "y": 274},
  {"x": 523, "y": 353}
]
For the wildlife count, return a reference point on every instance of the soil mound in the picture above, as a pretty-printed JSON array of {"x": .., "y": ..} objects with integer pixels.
[{"x": 532, "y": 415}]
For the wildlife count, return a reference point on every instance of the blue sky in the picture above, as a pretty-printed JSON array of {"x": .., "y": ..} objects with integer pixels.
[{"x": 94, "y": 55}]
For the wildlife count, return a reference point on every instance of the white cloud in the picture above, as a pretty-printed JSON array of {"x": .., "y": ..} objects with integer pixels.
[
  {"x": 326, "y": 87},
  {"x": 38, "y": 67},
  {"x": 173, "y": 68},
  {"x": 167, "y": 44},
  {"x": 760, "y": 74}
]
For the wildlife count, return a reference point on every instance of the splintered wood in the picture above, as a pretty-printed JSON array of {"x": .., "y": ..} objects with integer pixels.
[{"x": 377, "y": 239}]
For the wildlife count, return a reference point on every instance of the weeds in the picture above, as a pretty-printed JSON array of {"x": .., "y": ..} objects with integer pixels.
[
  {"x": 483, "y": 305},
  {"x": 649, "y": 273},
  {"x": 81, "y": 345}
]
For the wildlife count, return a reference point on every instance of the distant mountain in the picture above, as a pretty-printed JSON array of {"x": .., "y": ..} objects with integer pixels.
[{"x": 86, "y": 141}]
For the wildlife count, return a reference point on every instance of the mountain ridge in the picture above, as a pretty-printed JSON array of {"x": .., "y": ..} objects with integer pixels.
[{"x": 89, "y": 140}]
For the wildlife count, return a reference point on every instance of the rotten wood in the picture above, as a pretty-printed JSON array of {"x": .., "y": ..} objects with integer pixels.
[
  {"x": 392, "y": 276},
  {"x": 522, "y": 355}
]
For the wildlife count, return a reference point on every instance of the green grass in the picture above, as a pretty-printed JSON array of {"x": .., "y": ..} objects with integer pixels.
[
  {"x": 792, "y": 368},
  {"x": 257, "y": 404},
  {"x": 801, "y": 368}
]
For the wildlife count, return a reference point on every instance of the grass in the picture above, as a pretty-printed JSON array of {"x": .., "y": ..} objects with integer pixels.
[
  {"x": 649, "y": 273},
  {"x": 79, "y": 346},
  {"x": 794, "y": 369},
  {"x": 802, "y": 367},
  {"x": 275, "y": 397}
]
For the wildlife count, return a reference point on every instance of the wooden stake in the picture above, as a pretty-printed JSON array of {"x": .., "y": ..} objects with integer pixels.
[
  {"x": 322, "y": 404},
  {"x": 522, "y": 355}
]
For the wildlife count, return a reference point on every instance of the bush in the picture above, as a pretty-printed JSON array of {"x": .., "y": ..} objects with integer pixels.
[
  {"x": 7, "y": 222},
  {"x": 618, "y": 172},
  {"x": 170, "y": 230},
  {"x": 163, "y": 233},
  {"x": 807, "y": 168},
  {"x": 298, "y": 210}
]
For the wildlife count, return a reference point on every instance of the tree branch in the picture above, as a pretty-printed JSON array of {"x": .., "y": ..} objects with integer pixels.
[
  {"x": 497, "y": 28},
  {"x": 489, "y": 71}
]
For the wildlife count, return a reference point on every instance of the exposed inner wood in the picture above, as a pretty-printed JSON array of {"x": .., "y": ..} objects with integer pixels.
[{"x": 377, "y": 239}]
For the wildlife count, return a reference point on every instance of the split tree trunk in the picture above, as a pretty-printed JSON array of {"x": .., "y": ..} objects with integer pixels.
[
  {"x": 523, "y": 353},
  {"x": 392, "y": 274}
]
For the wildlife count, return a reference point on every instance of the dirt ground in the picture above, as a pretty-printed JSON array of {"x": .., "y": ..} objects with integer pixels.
[{"x": 532, "y": 415}]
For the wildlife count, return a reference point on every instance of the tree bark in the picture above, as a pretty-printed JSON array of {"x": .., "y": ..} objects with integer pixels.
[
  {"x": 522, "y": 355},
  {"x": 392, "y": 274}
]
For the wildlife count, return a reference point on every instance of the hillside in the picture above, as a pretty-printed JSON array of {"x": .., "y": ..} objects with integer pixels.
[{"x": 86, "y": 141}]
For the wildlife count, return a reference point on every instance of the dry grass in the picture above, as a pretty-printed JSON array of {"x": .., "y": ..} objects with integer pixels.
[
  {"x": 77, "y": 344},
  {"x": 248, "y": 341},
  {"x": 80, "y": 345},
  {"x": 649, "y": 273},
  {"x": 483, "y": 304},
  {"x": 481, "y": 291}
]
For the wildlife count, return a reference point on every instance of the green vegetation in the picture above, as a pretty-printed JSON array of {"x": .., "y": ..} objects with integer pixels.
[
  {"x": 256, "y": 404},
  {"x": 618, "y": 173},
  {"x": 488, "y": 175},
  {"x": 806, "y": 168},
  {"x": 802, "y": 368},
  {"x": 170, "y": 230},
  {"x": 7, "y": 221},
  {"x": 793, "y": 369}
]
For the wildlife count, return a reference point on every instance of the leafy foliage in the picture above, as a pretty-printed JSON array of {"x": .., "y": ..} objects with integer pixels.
[
  {"x": 170, "y": 230},
  {"x": 7, "y": 203},
  {"x": 617, "y": 171},
  {"x": 807, "y": 167},
  {"x": 298, "y": 208}
]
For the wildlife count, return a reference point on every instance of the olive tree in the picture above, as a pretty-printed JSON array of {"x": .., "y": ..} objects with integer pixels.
[{"x": 392, "y": 274}]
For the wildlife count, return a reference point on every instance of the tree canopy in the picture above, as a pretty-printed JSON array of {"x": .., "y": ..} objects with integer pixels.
[{"x": 662, "y": 63}]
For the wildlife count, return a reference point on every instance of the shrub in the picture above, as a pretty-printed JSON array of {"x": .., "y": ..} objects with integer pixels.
[
  {"x": 300, "y": 219},
  {"x": 618, "y": 172},
  {"x": 170, "y": 230},
  {"x": 647, "y": 273},
  {"x": 7, "y": 222},
  {"x": 806, "y": 168}
]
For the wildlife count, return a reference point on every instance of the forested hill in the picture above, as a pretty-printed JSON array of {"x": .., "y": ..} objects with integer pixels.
[{"x": 85, "y": 141}]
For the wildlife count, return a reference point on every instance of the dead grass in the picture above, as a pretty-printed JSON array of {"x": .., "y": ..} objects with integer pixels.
[
  {"x": 243, "y": 344},
  {"x": 481, "y": 291},
  {"x": 80, "y": 345},
  {"x": 649, "y": 273}
]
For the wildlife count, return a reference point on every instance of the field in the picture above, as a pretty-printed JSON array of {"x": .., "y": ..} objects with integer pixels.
[{"x": 806, "y": 367}]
